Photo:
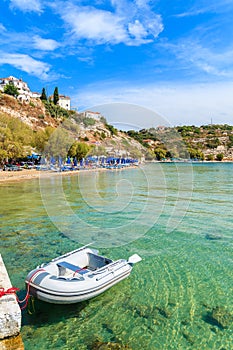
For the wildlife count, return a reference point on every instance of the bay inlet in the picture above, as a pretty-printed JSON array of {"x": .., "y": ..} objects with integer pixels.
[{"x": 176, "y": 216}]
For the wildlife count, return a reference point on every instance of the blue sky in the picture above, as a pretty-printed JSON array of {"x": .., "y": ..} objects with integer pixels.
[{"x": 172, "y": 57}]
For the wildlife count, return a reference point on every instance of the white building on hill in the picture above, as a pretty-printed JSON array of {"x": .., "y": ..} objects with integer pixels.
[
  {"x": 64, "y": 102},
  {"x": 35, "y": 95},
  {"x": 25, "y": 94},
  {"x": 93, "y": 115},
  {"x": 23, "y": 89}
]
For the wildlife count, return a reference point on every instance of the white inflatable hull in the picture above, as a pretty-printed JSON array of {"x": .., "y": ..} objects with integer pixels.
[{"x": 77, "y": 276}]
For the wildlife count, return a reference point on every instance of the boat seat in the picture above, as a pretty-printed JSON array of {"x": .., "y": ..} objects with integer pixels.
[{"x": 75, "y": 268}]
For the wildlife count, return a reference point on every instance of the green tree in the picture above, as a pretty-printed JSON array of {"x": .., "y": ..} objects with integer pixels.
[
  {"x": 3, "y": 156},
  {"x": 42, "y": 137},
  {"x": 16, "y": 138},
  {"x": 149, "y": 155},
  {"x": 169, "y": 154},
  {"x": 88, "y": 121},
  {"x": 111, "y": 129},
  {"x": 79, "y": 150},
  {"x": 210, "y": 157},
  {"x": 103, "y": 120},
  {"x": 213, "y": 143},
  {"x": 58, "y": 144},
  {"x": 160, "y": 153},
  {"x": 55, "y": 96},
  {"x": 102, "y": 135},
  {"x": 230, "y": 143},
  {"x": 15, "y": 149},
  {"x": 196, "y": 154},
  {"x": 97, "y": 151},
  {"x": 71, "y": 127},
  {"x": 12, "y": 90},
  {"x": 200, "y": 155},
  {"x": 219, "y": 157},
  {"x": 43, "y": 96},
  {"x": 56, "y": 111}
]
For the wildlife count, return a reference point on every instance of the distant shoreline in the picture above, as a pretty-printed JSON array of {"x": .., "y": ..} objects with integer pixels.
[
  {"x": 29, "y": 174},
  {"x": 194, "y": 161}
]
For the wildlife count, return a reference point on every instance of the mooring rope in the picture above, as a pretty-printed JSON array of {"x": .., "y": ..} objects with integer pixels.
[
  {"x": 13, "y": 290},
  {"x": 8, "y": 291}
]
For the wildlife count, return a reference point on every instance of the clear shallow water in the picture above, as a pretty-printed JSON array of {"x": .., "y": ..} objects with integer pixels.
[{"x": 181, "y": 217}]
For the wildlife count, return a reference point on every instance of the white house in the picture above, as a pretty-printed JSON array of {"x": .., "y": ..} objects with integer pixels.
[
  {"x": 35, "y": 95},
  {"x": 23, "y": 89},
  {"x": 25, "y": 94},
  {"x": 93, "y": 115},
  {"x": 64, "y": 102}
]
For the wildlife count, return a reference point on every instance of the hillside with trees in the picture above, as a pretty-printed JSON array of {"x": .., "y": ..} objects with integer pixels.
[
  {"x": 43, "y": 127},
  {"x": 207, "y": 142}
]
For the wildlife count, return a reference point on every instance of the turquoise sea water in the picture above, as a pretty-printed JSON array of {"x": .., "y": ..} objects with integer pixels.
[{"x": 178, "y": 217}]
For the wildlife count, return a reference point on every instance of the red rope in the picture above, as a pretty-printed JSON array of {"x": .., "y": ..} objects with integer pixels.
[
  {"x": 11, "y": 290},
  {"x": 25, "y": 300},
  {"x": 83, "y": 268}
]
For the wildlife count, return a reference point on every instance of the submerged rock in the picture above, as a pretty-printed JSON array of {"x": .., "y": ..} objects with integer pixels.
[
  {"x": 213, "y": 237},
  {"x": 164, "y": 312},
  {"x": 185, "y": 322},
  {"x": 220, "y": 317},
  {"x": 148, "y": 312},
  {"x": 108, "y": 328},
  {"x": 189, "y": 337}
]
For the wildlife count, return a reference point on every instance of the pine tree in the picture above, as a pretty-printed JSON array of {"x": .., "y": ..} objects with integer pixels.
[
  {"x": 43, "y": 96},
  {"x": 55, "y": 96},
  {"x": 12, "y": 90}
]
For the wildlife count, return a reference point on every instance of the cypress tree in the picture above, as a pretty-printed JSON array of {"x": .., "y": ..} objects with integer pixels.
[
  {"x": 43, "y": 96},
  {"x": 55, "y": 96}
]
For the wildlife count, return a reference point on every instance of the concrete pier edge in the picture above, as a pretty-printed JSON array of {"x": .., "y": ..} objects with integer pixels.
[{"x": 10, "y": 313}]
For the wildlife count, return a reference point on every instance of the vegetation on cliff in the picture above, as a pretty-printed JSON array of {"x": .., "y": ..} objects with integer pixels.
[
  {"x": 44, "y": 127},
  {"x": 26, "y": 127},
  {"x": 207, "y": 142},
  {"x": 16, "y": 138}
]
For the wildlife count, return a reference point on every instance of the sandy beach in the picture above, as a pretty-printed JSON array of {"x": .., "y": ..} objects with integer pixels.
[
  {"x": 28, "y": 174},
  {"x": 25, "y": 174}
]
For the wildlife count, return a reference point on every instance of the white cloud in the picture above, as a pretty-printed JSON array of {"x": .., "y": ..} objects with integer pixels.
[
  {"x": 193, "y": 54},
  {"x": 176, "y": 103},
  {"x": 128, "y": 23},
  {"x": 2, "y": 28},
  {"x": 97, "y": 25},
  {"x": 202, "y": 7},
  {"x": 26, "y": 64},
  {"x": 44, "y": 44},
  {"x": 142, "y": 3},
  {"x": 27, "y": 5},
  {"x": 16, "y": 41},
  {"x": 137, "y": 30}
]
